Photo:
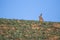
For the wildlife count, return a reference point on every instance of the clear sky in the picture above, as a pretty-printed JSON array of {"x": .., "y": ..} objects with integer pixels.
[{"x": 30, "y": 9}]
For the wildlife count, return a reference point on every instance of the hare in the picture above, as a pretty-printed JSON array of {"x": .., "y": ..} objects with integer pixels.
[{"x": 41, "y": 19}]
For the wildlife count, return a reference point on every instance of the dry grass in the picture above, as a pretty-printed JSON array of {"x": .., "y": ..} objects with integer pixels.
[{"x": 28, "y": 30}]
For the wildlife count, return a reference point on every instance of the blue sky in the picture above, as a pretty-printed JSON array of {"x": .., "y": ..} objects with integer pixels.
[{"x": 30, "y": 9}]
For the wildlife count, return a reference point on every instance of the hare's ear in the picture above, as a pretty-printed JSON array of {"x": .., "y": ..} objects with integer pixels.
[{"x": 41, "y": 14}]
